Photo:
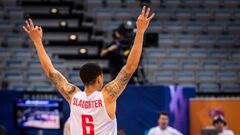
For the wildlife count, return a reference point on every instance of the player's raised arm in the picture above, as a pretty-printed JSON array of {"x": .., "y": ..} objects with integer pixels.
[
  {"x": 113, "y": 89},
  {"x": 63, "y": 86}
]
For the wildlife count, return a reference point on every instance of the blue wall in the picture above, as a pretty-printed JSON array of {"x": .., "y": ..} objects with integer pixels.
[{"x": 137, "y": 109}]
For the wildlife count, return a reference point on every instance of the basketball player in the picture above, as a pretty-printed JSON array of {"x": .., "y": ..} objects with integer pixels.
[{"x": 93, "y": 110}]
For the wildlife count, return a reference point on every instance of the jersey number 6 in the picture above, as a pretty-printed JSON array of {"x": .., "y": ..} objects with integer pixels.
[{"x": 87, "y": 126}]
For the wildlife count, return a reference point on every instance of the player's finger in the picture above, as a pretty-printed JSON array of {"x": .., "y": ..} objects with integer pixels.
[
  {"x": 143, "y": 10},
  {"x": 25, "y": 29},
  {"x": 147, "y": 13},
  {"x": 27, "y": 24},
  {"x": 36, "y": 27},
  {"x": 40, "y": 28},
  {"x": 31, "y": 23},
  {"x": 151, "y": 17}
]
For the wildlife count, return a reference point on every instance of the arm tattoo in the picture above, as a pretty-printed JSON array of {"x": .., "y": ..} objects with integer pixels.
[
  {"x": 123, "y": 77},
  {"x": 65, "y": 88},
  {"x": 115, "y": 87},
  {"x": 57, "y": 79},
  {"x": 69, "y": 90},
  {"x": 112, "y": 89}
]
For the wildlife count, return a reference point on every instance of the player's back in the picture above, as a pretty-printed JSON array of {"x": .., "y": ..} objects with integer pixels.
[{"x": 89, "y": 115}]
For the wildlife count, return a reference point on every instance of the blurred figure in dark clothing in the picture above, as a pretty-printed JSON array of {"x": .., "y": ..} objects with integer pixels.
[
  {"x": 114, "y": 54},
  {"x": 118, "y": 50}
]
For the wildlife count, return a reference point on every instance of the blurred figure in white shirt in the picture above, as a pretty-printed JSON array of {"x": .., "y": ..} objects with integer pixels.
[{"x": 163, "y": 128}]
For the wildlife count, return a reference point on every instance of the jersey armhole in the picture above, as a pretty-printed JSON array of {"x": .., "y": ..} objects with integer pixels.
[
  {"x": 105, "y": 109},
  {"x": 73, "y": 98}
]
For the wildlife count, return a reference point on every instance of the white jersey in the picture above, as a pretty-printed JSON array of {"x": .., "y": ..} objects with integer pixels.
[
  {"x": 89, "y": 115},
  {"x": 168, "y": 131}
]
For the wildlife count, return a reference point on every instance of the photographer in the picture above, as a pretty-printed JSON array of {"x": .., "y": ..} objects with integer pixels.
[
  {"x": 114, "y": 53},
  {"x": 118, "y": 50}
]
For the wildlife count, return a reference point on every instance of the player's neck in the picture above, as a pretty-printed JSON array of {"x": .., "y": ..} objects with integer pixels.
[{"x": 90, "y": 89}]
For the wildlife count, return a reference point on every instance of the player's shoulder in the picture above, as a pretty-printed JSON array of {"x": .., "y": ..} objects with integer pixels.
[{"x": 175, "y": 131}]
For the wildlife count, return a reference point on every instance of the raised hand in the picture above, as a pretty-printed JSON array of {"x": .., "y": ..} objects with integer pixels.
[
  {"x": 34, "y": 32},
  {"x": 143, "y": 19}
]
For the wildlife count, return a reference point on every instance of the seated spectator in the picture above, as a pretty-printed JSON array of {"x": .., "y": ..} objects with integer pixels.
[{"x": 220, "y": 124}]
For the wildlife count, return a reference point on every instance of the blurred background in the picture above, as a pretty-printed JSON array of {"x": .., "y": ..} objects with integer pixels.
[{"x": 190, "y": 66}]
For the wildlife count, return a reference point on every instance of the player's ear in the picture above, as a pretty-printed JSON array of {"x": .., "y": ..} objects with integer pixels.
[
  {"x": 102, "y": 77},
  {"x": 98, "y": 79}
]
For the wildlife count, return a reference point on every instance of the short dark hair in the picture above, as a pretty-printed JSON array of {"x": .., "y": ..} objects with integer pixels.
[
  {"x": 163, "y": 113},
  {"x": 89, "y": 73},
  {"x": 219, "y": 119}
]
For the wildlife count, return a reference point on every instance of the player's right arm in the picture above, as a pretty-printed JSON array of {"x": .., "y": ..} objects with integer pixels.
[
  {"x": 63, "y": 86},
  {"x": 113, "y": 89}
]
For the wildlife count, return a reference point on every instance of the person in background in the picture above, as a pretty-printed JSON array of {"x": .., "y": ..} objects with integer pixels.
[
  {"x": 113, "y": 53},
  {"x": 220, "y": 125},
  {"x": 163, "y": 128}
]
